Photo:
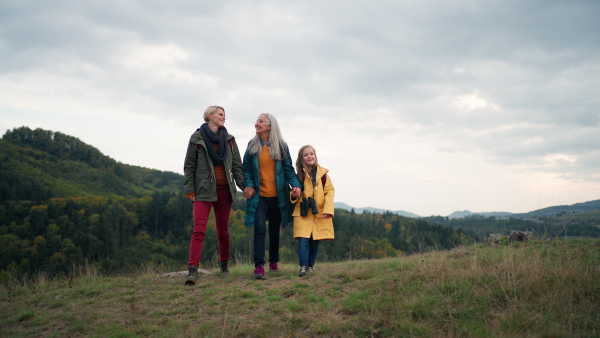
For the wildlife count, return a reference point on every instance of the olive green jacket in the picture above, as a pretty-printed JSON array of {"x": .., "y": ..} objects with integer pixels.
[{"x": 199, "y": 173}]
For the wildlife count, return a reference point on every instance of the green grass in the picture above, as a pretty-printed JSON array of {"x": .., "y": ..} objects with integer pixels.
[{"x": 539, "y": 288}]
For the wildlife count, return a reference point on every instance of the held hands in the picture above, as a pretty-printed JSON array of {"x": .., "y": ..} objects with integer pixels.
[
  {"x": 327, "y": 215},
  {"x": 296, "y": 192},
  {"x": 249, "y": 192}
]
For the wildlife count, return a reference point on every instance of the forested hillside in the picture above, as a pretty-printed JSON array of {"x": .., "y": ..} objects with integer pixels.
[
  {"x": 63, "y": 204},
  {"x": 39, "y": 164}
]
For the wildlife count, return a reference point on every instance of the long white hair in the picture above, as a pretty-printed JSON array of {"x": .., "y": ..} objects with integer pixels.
[{"x": 277, "y": 145}]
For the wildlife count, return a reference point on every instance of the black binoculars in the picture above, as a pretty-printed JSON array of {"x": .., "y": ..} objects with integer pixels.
[{"x": 308, "y": 203}]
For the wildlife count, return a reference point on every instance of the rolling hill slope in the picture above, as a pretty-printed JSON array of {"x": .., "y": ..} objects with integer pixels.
[{"x": 41, "y": 164}]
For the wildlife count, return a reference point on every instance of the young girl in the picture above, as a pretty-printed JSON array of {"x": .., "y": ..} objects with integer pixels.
[{"x": 314, "y": 209}]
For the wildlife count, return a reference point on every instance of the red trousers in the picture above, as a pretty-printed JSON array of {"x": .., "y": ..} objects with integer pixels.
[{"x": 222, "y": 209}]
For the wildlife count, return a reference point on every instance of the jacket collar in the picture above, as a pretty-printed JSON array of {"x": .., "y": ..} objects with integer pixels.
[{"x": 320, "y": 170}]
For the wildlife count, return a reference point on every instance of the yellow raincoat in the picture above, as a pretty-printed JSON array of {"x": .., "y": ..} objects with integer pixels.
[{"x": 320, "y": 228}]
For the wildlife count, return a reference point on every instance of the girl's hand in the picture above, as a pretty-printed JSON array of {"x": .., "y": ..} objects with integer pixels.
[
  {"x": 327, "y": 215},
  {"x": 296, "y": 192}
]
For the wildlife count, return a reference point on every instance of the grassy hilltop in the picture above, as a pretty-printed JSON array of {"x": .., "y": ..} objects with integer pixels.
[{"x": 537, "y": 288}]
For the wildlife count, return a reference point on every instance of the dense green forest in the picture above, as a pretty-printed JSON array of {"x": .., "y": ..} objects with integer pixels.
[
  {"x": 38, "y": 164},
  {"x": 64, "y": 204}
]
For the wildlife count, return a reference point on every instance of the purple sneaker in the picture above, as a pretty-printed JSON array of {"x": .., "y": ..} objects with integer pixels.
[
  {"x": 259, "y": 272},
  {"x": 273, "y": 267}
]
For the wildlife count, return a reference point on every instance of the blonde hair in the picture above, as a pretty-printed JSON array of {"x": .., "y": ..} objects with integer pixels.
[
  {"x": 211, "y": 110},
  {"x": 301, "y": 166},
  {"x": 277, "y": 145}
]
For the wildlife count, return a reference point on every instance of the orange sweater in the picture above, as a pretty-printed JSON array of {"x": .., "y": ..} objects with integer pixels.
[
  {"x": 220, "y": 176},
  {"x": 266, "y": 165}
]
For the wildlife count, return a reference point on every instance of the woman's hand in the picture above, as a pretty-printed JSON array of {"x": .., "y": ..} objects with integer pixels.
[
  {"x": 249, "y": 192},
  {"x": 327, "y": 215},
  {"x": 296, "y": 192},
  {"x": 191, "y": 197}
]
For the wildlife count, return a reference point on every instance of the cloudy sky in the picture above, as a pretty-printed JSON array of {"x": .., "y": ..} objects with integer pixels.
[{"x": 423, "y": 106}]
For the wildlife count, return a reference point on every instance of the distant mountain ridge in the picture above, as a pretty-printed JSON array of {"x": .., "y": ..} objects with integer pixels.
[
  {"x": 467, "y": 213},
  {"x": 345, "y": 206},
  {"x": 593, "y": 205}
]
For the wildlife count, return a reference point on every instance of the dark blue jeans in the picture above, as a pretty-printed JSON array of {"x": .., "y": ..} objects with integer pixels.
[
  {"x": 307, "y": 251},
  {"x": 267, "y": 209}
]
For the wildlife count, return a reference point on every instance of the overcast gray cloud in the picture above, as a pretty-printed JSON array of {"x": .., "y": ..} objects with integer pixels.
[{"x": 423, "y": 106}]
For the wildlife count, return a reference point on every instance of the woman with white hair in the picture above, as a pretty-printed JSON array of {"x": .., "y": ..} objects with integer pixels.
[{"x": 268, "y": 175}]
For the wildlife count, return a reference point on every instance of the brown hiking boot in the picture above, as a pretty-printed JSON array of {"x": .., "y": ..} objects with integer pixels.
[
  {"x": 303, "y": 271},
  {"x": 224, "y": 269},
  {"x": 192, "y": 276}
]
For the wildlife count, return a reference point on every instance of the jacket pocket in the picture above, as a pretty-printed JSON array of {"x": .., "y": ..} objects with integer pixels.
[{"x": 202, "y": 182}]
